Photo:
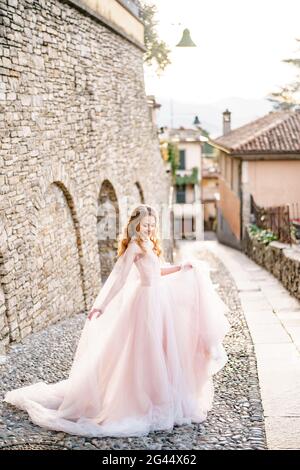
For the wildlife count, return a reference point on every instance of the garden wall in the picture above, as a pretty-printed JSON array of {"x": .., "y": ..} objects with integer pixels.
[{"x": 280, "y": 259}]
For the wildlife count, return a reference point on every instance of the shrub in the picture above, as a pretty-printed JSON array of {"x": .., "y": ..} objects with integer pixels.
[{"x": 262, "y": 235}]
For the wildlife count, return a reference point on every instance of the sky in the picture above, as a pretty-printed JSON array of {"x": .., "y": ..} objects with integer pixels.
[{"x": 239, "y": 53}]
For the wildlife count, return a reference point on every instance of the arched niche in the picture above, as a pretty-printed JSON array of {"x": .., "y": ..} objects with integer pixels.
[
  {"x": 108, "y": 227},
  {"x": 56, "y": 263}
]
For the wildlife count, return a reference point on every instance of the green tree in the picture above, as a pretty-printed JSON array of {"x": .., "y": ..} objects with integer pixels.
[
  {"x": 173, "y": 158},
  {"x": 157, "y": 50},
  {"x": 288, "y": 97}
]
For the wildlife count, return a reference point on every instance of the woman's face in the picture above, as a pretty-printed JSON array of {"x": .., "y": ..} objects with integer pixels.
[{"x": 147, "y": 226}]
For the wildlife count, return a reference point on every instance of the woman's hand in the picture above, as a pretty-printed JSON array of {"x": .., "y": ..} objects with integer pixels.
[
  {"x": 95, "y": 311},
  {"x": 187, "y": 265}
]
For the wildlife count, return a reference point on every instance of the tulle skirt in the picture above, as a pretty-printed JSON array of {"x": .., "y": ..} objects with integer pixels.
[{"x": 146, "y": 364}]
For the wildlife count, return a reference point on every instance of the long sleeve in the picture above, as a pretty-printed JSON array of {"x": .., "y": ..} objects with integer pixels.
[
  {"x": 117, "y": 277},
  {"x": 170, "y": 269}
]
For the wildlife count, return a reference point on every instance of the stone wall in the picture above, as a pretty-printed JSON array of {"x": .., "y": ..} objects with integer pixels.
[
  {"x": 280, "y": 259},
  {"x": 75, "y": 132}
]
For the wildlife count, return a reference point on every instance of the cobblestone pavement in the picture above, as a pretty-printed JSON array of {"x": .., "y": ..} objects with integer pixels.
[{"x": 235, "y": 422}]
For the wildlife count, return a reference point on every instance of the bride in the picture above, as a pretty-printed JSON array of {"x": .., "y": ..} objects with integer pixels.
[{"x": 148, "y": 349}]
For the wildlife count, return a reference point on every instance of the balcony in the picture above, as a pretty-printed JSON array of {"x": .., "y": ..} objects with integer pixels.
[
  {"x": 187, "y": 176},
  {"x": 132, "y": 6}
]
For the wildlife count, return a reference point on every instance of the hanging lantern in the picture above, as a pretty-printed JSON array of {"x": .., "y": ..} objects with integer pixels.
[{"x": 186, "y": 40}]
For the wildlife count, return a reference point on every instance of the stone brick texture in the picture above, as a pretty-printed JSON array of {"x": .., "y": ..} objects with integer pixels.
[{"x": 75, "y": 134}]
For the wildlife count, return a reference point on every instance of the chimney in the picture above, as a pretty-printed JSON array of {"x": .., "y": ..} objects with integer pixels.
[{"x": 226, "y": 121}]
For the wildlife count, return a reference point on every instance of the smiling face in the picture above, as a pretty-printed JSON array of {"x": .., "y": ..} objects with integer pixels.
[{"x": 147, "y": 226}]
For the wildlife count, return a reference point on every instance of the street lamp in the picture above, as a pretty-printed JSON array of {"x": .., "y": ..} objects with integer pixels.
[
  {"x": 196, "y": 122},
  {"x": 186, "y": 40}
]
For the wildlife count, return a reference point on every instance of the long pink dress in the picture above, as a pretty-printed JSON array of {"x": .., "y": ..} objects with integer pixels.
[{"x": 145, "y": 364}]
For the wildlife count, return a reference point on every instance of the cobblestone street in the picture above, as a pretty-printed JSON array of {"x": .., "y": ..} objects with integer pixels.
[{"x": 236, "y": 421}]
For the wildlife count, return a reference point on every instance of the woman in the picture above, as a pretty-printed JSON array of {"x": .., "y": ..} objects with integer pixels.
[{"x": 148, "y": 349}]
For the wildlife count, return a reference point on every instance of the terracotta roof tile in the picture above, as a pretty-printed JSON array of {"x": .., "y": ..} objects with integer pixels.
[{"x": 276, "y": 132}]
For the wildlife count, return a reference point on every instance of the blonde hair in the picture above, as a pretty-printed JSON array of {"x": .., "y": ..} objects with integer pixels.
[{"x": 132, "y": 231}]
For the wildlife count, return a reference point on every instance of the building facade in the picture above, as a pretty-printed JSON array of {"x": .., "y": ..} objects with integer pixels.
[
  {"x": 187, "y": 204},
  {"x": 261, "y": 159}
]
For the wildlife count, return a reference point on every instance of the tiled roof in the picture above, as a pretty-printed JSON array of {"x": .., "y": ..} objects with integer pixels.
[{"x": 276, "y": 132}]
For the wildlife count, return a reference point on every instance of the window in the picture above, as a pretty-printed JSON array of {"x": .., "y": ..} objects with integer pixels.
[
  {"x": 181, "y": 160},
  {"x": 180, "y": 193}
]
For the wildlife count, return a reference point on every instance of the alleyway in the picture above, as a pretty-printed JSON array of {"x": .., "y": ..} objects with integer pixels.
[{"x": 236, "y": 421}]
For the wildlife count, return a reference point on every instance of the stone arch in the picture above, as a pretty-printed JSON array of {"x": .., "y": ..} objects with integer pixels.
[
  {"x": 135, "y": 196},
  {"x": 108, "y": 227},
  {"x": 139, "y": 192},
  {"x": 57, "y": 257},
  {"x": 76, "y": 225}
]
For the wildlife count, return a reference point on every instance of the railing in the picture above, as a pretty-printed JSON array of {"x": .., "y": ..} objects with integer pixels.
[
  {"x": 294, "y": 211},
  {"x": 187, "y": 176},
  {"x": 295, "y": 220},
  {"x": 275, "y": 218}
]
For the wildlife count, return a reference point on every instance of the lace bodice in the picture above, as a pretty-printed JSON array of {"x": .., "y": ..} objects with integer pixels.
[
  {"x": 148, "y": 271},
  {"x": 148, "y": 264}
]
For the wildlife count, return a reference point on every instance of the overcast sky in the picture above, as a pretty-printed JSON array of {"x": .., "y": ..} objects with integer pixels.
[{"x": 240, "y": 47}]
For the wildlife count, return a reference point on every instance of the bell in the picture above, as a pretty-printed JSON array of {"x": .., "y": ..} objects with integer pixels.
[{"x": 186, "y": 40}]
